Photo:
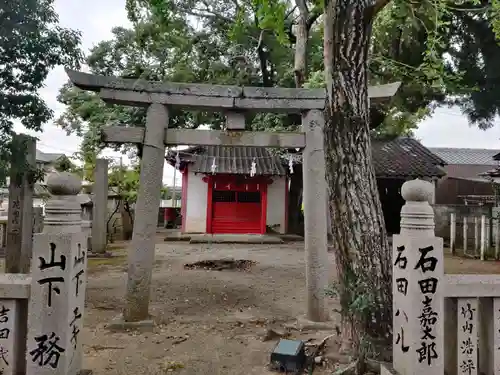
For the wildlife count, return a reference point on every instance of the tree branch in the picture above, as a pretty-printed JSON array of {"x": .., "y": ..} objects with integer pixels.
[
  {"x": 378, "y": 6},
  {"x": 301, "y": 4},
  {"x": 313, "y": 16}
]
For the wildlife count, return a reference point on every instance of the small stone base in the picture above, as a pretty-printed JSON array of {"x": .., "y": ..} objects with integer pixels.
[
  {"x": 105, "y": 255},
  {"x": 118, "y": 324},
  {"x": 303, "y": 324},
  {"x": 85, "y": 372}
]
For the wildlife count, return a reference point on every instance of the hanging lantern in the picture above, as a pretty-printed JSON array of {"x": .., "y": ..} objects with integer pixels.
[
  {"x": 253, "y": 169},
  {"x": 213, "y": 168},
  {"x": 177, "y": 160}
]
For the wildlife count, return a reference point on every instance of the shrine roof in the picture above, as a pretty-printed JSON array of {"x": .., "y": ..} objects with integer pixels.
[
  {"x": 230, "y": 159},
  {"x": 403, "y": 157}
]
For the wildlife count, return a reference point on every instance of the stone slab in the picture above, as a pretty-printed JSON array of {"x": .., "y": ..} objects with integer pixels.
[
  {"x": 178, "y": 236},
  {"x": 291, "y": 237},
  {"x": 235, "y": 238},
  {"x": 105, "y": 255},
  {"x": 118, "y": 324},
  {"x": 471, "y": 286},
  {"x": 15, "y": 286},
  {"x": 304, "y": 324}
]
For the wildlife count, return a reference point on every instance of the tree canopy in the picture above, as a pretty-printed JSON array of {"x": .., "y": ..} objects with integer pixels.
[
  {"x": 443, "y": 54},
  {"x": 31, "y": 44}
]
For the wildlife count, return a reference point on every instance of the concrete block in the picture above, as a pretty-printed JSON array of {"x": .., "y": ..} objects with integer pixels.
[{"x": 15, "y": 286}]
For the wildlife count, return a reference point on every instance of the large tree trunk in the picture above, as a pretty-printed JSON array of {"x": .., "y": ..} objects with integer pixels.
[{"x": 359, "y": 236}]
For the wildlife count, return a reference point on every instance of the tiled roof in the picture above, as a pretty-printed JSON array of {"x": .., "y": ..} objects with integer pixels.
[
  {"x": 405, "y": 157},
  {"x": 235, "y": 160},
  {"x": 399, "y": 158},
  {"x": 44, "y": 157},
  {"x": 469, "y": 156}
]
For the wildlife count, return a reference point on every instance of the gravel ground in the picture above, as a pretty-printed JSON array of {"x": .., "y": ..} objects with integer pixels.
[{"x": 208, "y": 322}]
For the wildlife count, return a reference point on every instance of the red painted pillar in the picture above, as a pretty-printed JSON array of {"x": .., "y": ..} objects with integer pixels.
[
  {"x": 263, "y": 218},
  {"x": 209, "y": 203}
]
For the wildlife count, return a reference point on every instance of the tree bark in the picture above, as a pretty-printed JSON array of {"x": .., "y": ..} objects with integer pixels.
[
  {"x": 359, "y": 237},
  {"x": 302, "y": 35},
  {"x": 127, "y": 226}
]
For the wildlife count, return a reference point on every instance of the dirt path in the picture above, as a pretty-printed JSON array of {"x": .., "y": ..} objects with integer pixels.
[{"x": 208, "y": 322}]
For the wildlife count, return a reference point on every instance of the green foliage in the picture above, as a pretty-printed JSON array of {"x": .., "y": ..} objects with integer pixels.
[
  {"x": 252, "y": 43},
  {"x": 64, "y": 164},
  {"x": 32, "y": 44},
  {"x": 358, "y": 301},
  {"x": 126, "y": 181}
]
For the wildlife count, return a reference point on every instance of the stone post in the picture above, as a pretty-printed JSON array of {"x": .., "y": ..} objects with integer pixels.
[
  {"x": 497, "y": 238},
  {"x": 418, "y": 323},
  {"x": 3, "y": 234},
  {"x": 315, "y": 215},
  {"x": 465, "y": 229},
  {"x": 142, "y": 247},
  {"x": 37, "y": 220},
  {"x": 100, "y": 207},
  {"x": 477, "y": 226},
  {"x": 56, "y": 304},
  {"x": 484, "y": 236},
  {"x": 20, "y": 214},
  {"x": 453, "y": 232}
]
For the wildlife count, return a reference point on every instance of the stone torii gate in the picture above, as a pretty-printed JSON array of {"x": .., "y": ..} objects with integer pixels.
[{"x": 233, "y": 101}]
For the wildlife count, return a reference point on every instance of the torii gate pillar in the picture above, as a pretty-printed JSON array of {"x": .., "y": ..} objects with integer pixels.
[
  {"x": 142, "y": 248},
  {"x": 315, "y": 215}
]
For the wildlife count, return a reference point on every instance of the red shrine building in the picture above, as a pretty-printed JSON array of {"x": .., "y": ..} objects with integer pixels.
[{"x": 231, "y": 190}]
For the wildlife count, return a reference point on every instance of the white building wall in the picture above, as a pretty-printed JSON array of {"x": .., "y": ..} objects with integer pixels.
[
  {"x": 276, "y": 197},
  {"x": 196, "y": 204}
]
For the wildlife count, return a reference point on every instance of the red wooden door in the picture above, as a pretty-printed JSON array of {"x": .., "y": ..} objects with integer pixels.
[{"x": 236, "y": 209}]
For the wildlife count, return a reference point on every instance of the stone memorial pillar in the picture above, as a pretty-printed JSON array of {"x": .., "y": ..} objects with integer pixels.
[
  {"x": 20, "y": 212},
  {"x": 100, "y": 207},
  {"x": 55, "y": 313},
  {"x": 418, "y": 289},
  {"x": 453, "y": 232}
]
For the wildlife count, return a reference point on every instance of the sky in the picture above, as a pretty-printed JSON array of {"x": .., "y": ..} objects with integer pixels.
[{"x": 95, "y": 19}]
